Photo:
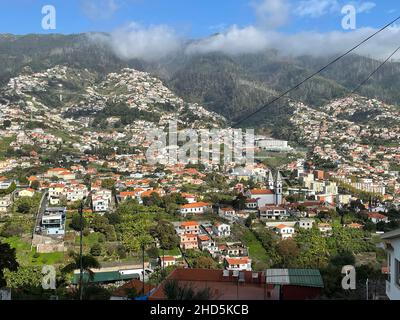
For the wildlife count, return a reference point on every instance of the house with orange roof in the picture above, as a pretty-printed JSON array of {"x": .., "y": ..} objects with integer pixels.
[
  {"x": 325, "y": 228},
  {"x": 190, "y": 198},
  {"x": 192, "y": 227},
  {"x": 355, "y": 225},
  {"x": 29, "y": 193},
  {"x": 237, "y": 264},
  {"x": 148, "y": 193},
  {"x": 167, "y": 261},
  {"x": 377, "y": 217},
  {"x": 195, "y": 208},
  {"x": 135, "y": 194},
  {"x": 284, "y": 231},
  {"x": 60, "y": 173},
  {"x": 188, "y": 241}
]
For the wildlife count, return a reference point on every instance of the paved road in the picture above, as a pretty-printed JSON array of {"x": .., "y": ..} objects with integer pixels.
[{"x": 41, "y": 209}]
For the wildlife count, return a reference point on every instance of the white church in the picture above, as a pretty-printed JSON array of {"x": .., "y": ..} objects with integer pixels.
[{"x": 269, "y": 196}]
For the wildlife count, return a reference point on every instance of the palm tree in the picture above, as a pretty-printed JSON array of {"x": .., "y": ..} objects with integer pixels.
[
  {"x": 173, "y": 291},
  {"x": 8, "y": 260},
  {"x": 88, "y": 262}
]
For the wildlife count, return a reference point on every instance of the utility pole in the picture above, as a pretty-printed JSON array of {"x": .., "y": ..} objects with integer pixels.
[
  {"x": 80, "y": 251},
  {"x": 143, "y": 266},
  {"x": 367, "y": 283}
]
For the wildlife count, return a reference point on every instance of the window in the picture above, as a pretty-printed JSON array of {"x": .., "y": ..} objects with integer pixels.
[{"x": 397, "y": 272}]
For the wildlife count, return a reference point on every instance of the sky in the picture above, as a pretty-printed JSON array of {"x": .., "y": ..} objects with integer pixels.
[{"x": 158, "y": 27}]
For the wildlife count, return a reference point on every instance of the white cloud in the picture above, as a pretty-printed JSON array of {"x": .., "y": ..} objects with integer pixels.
[
  {"x": 234, "y": 41},
  {"x": 271, "y": 14},
  {"x": 365, "y": 6},
  {"x": 316, "y": 8},
  {"x": 336, "y": 42},
  {"x": 99, "y": 9},
  {"x": 252, "y": 40},
  {"x": 138, "y": 42},
  {"x": 154, "y": 42}
]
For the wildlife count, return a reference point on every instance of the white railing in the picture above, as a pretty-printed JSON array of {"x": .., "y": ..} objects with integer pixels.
[{"x": 387, "y": 287}]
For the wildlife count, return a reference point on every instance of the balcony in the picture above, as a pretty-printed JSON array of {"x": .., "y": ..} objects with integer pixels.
[{"x": 387, "y": 287}]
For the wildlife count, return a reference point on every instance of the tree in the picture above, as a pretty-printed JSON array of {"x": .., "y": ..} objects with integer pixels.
[
  {"x": 77, "y": 223},
  {"x": 35, "y": 185},
  {"x": 96, "y": 250},
  {"x": 108, "y": 184},
  {"x": 88, "y": 262},
  {"x": 204, "y": 263},
  {"x": 99, "y": 223},
  {"x": 166, "y": 235},
  {"x": 23, "y": 278},
  {"x": 113, "y": 218},
  {"x": 24, "y": 207},
  {"x": 174, "y": 291},
  {"x": 289, "y": 251},
  {"x": 314, "y": 251},
  {"x": 110, "y": 233},
  {"x": 249, "y": 220},
  {"x": 153, "y": 200},
  {"x": 8, "y": 260},
  {"x": 240, "y": 202},
  {"x": 120, "y": 251},
  {"x": 6, "y": 123},
  {"x": 9, "y": 190},
  {"x": 135, "y": 234},
  {"x": 153, "y": 252}
]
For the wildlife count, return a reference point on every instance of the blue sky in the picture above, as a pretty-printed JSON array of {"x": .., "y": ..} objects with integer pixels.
[
  {"x": 151, "y": 29},
  {"x": 191, "y": 18}
]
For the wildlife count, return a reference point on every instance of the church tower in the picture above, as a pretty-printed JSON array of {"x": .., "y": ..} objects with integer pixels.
[
  {"x": 270, "y": 181},
  {"x": 278, "y": 189}
]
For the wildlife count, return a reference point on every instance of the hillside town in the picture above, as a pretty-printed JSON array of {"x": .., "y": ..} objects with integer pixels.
[{"x": 304, "y": 208}]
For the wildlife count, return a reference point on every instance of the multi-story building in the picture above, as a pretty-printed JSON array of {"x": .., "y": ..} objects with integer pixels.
[{"x": 392, "y": 244}]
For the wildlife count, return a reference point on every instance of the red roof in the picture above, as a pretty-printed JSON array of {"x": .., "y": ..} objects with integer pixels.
[
  {"x": 167, "y": 258},
  {"x": 133, "y": 284},
  {"x": 195, "y": 205},
  {"x": 189, "y": 224},
  {"x": 261, "y": 191},
  {"x": 376, "y": 215},
  {"x": 243, "y": 260},
  {"x": 204, "y": 238}
]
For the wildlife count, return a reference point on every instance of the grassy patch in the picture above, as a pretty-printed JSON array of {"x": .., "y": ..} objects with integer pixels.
[
  {"x": 172, "y": 252},
  {"x": 5, "y": 144},
  {"x": 256, "y": 251},
  {"x": 26, "y": 257}
]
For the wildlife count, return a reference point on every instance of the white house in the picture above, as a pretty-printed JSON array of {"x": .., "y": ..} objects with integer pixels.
[
  {"x": 221, "y": 229},
  {"x": 284, "y": 231},
  {"x": 26, "y": 193},
  {"x": 272, "y": 213},
  {"x": 206, "y": 243},
  {"x": 5, "y": 204},
  {"x": 325, "y": 227},
  {"x": 237, "y": 264},
  {"x": 392, "y": 244},
  {"x": 376, "y": 217},
  {"x": 56, "y": 190},
  {"x": 76, "y": 192},
  {"x": 195, "y": 208},
  {"x": 306, "y": 223},
  {"x": 167, "y": 261},
  {"x": 100, "y": 204}
]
